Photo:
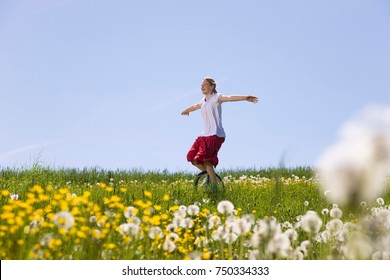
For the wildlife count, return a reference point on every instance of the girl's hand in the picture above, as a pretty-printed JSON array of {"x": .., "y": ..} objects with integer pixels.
[
  {"x": 185, "y": 113},
  {"x": 251, "y": 98}
]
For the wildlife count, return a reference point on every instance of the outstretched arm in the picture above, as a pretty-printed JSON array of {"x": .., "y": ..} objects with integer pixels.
[
  {"x": 190, "y": 109},
  {"x": 231, "y": 98}
]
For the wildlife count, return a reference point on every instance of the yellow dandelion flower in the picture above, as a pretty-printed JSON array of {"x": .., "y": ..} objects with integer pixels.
[
  {"x": 110, "y": 189},
  {"x": 123, "y": 190},
  {"x": 206, "y": 255},
  {"x": 5, "y": 193},
  {"x": 81, "y": 234},
  {"x": 147, "y": 212},
  {"x": 63, "y": 191},
  {"x": 63, "y": 205},
  {"x": 110, "y": 246},
  {"x": 148, "y": 194},
  {"x": 37, "y": 189},
  {"x": 166, "y": 197},
  {"x": 155, "y": 220},
  {"x": 157, "y": 207},
  {"x": 20, "y": 242}
]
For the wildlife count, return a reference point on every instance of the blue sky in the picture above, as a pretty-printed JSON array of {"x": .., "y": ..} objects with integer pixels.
[{"x": 103, "y": 83}]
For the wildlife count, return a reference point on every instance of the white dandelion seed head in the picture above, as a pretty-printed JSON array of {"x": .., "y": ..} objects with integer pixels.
[
  {"x": 380, "y": 201},
  {"x": 336, "y": 213},
  {"x": 195, "y": 255},
  {"x": 193, "y": 210},
  {"x": 355, "y": 168},
  {"x": 292, "y": 234},
  {"x": 357, "y": 247},
  {"x": 64, "y": 220},
  {"x": 130, "y": 212},
  {"x": 278, "y": 246},
  {"x": 325, "y": 236},
  {"x": 129, "y": 229},
  {"x": 213, "y": 221},
  {"x": 45, "y": 240},
  {"x": 173, "y": 236},
  {"x": 187, "y": 223},
  {"x": 155, "y": 233},
  {"x": 225, "y": 207},
  {"x": 229, "y": 237},
  {"x": 306, "y": 203},
  {"x": 169, "y": 246},
  {"x": 171, "y": 227},
  {"x": 334, "y": 226},
  {"x": 325, "y": 211},
  {"x": 311, "y": 222},
  {"x": 244, "y": 226},
  {"x": 254, "y": 254}
]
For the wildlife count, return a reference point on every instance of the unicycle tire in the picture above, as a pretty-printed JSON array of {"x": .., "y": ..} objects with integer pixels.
[{"x": 203, "y": 179}]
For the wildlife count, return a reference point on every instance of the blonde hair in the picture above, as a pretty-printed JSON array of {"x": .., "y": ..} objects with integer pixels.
[{"x": 212, "y": 82}]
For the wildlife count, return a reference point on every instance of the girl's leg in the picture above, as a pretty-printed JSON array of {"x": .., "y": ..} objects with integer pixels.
[
  {"x": 210, "y": 170},
  {"x": 199, "y": 165}
]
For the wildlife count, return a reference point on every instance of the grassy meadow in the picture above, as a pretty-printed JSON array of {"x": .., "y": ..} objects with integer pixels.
[{"x": 274, "y": 213}]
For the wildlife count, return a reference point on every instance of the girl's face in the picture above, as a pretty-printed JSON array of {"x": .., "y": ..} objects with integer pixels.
[{"x": 206, "y": 87}]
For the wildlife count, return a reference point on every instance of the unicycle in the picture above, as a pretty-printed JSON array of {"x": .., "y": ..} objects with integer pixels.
[{"x": 203, "y": 180}]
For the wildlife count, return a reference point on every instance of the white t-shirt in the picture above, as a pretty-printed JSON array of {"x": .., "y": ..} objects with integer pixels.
[{"x": 211, "y": 110}]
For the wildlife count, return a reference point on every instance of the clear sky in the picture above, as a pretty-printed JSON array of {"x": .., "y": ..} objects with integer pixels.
[{"x": 102, "y": 83}]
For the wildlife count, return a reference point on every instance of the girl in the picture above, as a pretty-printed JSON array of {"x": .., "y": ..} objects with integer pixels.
[{"x": 204, "y": 152}]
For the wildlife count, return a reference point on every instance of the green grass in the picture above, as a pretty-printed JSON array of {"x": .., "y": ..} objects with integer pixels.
[{"x": 281, "y": 193}]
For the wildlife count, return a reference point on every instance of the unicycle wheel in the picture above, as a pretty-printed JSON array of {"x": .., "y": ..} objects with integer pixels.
[{"x": 203, "y": 179}]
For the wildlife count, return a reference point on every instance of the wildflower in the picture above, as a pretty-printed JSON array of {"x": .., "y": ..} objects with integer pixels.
[
  {"x": 225, "y": 207},
  {"x": 169, "y": 246},
  {"x": 195, "y": 255},
  {"x": 129, "y": 229},
  {"x": 193, "y": 210},
  {"x": 187, "y": 223},
  {"x": 213, "y": 221},
  {"x": 130, "y": 212},
  {"x": 148, "y": 194},
  {"x": 291, "y": 234},
  {"x": 334, "y": 226},
  {"x": 155, "y": 233},
  {"x": 64, "y": 220},
  {"x": 14, "y": 196},
  {"x": 357, "y": 247},
  {"x": 380, "y": 201},
  {"x": 166, "y": 197},
  {"x": 278, "y": 246},
  {"x": 355, "y": 168},
  {"x": 336, "y": 213},
  {"x": 171, "y": 227},
  {"x": 173, "y": 237},
  {"x": 325, "y": 211},
  {"x": 311, "y": 222},
  {"x": 306, "y": 203}
]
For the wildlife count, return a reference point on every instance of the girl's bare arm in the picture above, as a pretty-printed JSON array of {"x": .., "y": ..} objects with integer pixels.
[
  {"x": 231, "y": 98},
  {"x": 190, "y": 109}
]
